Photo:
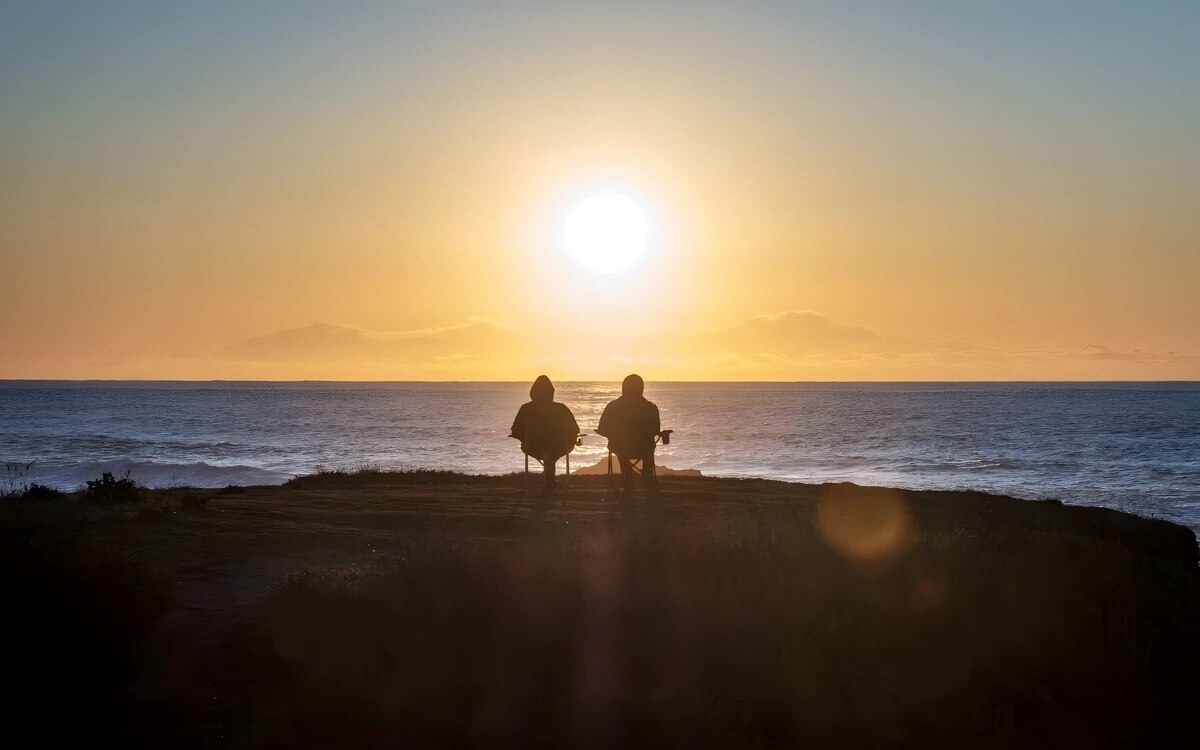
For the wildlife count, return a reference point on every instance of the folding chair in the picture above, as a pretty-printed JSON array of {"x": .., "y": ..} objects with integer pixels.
[
  {"x": 638, "y": 463},
  {"x": 525, "y": 486}
]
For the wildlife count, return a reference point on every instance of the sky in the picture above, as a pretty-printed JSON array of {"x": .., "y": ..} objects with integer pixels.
[{"x": 833, "y": 191}]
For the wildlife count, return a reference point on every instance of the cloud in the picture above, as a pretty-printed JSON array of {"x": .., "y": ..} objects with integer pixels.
[
  {"x": 794, "y": 334},
  {"x": 791, "y": 345},
  {"x": 1103, "y": 353},
  {"x": 476, "y": 339},
  {"x": 803, "y": 344}
]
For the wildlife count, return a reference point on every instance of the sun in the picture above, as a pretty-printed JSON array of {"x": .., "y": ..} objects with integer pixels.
[{"x": 606, "y": 232}]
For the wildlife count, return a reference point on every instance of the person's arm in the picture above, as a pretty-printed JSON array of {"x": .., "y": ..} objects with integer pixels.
[
  {"x": 603, "y": 427},
  {"x": 518, "y": 427},
  {"x": 570, "y": 429},
  {"x": 655, "y": 422},
  {"x": 572, "y": 425}
]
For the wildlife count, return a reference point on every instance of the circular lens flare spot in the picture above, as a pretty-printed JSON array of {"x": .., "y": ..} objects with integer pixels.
[
  {"x": 606, "y": 232},
  {"x": 864, "y": 525}
]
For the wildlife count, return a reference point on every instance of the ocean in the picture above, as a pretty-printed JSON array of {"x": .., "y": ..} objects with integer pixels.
[{"x": 1130, "y": 446}]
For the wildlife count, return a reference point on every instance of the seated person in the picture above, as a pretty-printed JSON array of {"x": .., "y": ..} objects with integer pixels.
[
  {"x": 631, "y": 424},
  {"x": 547, "y": 429}
]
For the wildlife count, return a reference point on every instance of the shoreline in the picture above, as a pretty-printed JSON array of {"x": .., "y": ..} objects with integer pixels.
[
  {"x": 589, "y": 486},
  {"x": 256, "y": 474},
  {"x": 1129, "y": 447}
]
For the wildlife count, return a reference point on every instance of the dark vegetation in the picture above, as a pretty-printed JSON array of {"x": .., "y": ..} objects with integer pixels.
[
  {"x": 109, "y": 489},
  {"x": 372, "y": 477},
  {"x": 77, "y": 627},
  {"x": 15, "y": 487},
  {"x": 733, "y": 614}
]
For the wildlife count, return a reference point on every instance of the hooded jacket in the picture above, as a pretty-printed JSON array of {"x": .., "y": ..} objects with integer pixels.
[
  {"x": 630, "y": 422},
  {"x": 543, "y": 425}
]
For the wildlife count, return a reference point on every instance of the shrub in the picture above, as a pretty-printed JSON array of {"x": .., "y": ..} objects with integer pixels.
[
  {"x": 109, "y": 489},
  {"x": 37, "y": 491}
]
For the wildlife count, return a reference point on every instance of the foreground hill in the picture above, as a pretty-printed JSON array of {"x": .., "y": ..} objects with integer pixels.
[{"x": 432, "y": 608}]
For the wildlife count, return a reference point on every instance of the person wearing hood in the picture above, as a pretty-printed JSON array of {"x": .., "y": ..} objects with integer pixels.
[
  {"x": 546, "y": 428},
  {"x": 631, "y": 424}
]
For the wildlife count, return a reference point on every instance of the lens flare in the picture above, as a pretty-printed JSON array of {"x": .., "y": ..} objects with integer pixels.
[{"x": 864, "y": 525}]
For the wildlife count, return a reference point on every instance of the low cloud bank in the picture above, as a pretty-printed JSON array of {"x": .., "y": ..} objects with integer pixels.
[{"x": 790, "y": 345}]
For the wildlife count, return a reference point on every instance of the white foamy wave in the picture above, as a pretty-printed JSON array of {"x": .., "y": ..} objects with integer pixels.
[{"x": 71, "y": 476}]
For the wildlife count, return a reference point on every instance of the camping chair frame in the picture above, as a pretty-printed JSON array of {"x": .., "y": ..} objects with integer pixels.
[
  {"x": 638, "y": 464},
  {"x": 525, "y": 486}
]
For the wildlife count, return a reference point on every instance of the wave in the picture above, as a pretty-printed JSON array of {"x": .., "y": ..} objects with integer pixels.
[
  {"x": 70, "y": 476},
  {"x": 965, "y": 465}
]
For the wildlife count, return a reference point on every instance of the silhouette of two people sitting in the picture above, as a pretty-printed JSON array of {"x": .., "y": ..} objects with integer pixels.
[
  {"x": 631, "y": 424},
  {"x": 546, "y": 428},
  {"x": 548, "y": 431}
]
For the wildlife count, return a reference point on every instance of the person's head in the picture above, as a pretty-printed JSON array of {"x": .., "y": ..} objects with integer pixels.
[
  {"x": 633, "y": 385},
  {"x": 542, "y": 389}
]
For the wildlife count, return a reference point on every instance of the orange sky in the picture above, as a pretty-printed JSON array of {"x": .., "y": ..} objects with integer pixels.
[{"x": 379, "y": 194}]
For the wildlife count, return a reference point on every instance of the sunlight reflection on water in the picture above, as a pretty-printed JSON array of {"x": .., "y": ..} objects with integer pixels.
[{"x": 1129, "y": 446}]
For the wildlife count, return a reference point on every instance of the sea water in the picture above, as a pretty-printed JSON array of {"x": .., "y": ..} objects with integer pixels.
[{"x": 1130, "y": 446}]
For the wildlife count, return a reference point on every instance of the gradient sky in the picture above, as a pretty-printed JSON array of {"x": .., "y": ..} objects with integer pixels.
[{"x": 837, "y": 191}]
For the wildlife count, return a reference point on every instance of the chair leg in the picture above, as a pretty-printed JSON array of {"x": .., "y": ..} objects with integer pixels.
[{"x": 610, "y": 481}]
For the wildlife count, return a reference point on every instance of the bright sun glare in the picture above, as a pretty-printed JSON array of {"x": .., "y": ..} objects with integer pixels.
[{"x": 606, "y": 232}]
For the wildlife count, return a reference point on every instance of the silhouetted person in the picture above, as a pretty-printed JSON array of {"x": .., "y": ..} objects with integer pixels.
[
  {"x": 546, "y": 428},
  {"x": 631, "y": 424}
]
